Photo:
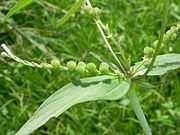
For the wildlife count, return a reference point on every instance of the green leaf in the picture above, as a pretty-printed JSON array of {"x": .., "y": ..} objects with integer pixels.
[
  {"x": 73, "y": 9},
  {"x": 146, "y": 85},
  {"x": 89, "y": 89},
  {"x": 19, "y": 5},
  {"x": 162, "y": 65}
]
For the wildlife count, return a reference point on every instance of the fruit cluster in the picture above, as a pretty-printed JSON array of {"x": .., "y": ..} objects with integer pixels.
[
  {"x": 171, "y": 34},
  {"x": 82, "y": 67},
  {"x": 92, "y": 12}
]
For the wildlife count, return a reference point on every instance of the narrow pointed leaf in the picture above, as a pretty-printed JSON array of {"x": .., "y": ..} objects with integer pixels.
[
  {"x": 19, "y": 5},
  {"x": 89, "y": 89},
  {"x": 146, "y": 85},
  {"x": 73, "y": 9},
  {"x": 162, "y": 65}
]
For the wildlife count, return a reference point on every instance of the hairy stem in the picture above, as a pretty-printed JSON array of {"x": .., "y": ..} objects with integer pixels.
[
  {"x": 121, "y": 66},
  {"x": 163, "y": 27},
  {"x": 122, "y": 57},
  {"x": 111, "y": 50},
  {"x": 138, "y": 110}
]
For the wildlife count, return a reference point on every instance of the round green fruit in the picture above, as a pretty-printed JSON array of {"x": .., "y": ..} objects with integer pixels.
[
  {"x": 71, "y": 65},
  {"x": 91, "y": 67},
  {"x": 104, "y": 68},
  {"x": 86, "y": 9},
  {"x": 55, "y": 63},
  {"x": 148, "y": 51},
  {"x": 94, "y": 12},
  {"x": 174, "y": 35},
  {"x": 80, "y": 69},
  {"x": 82, "y": 64}
]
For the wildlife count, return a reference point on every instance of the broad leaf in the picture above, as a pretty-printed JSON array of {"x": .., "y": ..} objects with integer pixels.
[
  {"x": 70, "y": 12},
  {"x": 89, "y": 89},
  {"x": 19, "y": 5},
  {"x": 163, "y": 64}
]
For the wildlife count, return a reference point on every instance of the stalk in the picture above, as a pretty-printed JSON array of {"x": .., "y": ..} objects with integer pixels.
[
  {"x": 111, "y": 50},
  {"x": 163, "y": 27},
  {"x": 138, "y": 110},
  {"x": 119, "y": 61}
]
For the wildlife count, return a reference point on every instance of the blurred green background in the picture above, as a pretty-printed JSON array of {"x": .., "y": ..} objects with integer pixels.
[{"x": 32, "y": 34}]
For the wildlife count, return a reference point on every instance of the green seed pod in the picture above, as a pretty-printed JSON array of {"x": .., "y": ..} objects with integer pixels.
[
  {"x": 4, "y": 54},
  {"x": 55, "y": 63},
  {"x": 148, "y": 51},
  {"x": 174, "y": 35},
  {"x": 94, "y": 12},
  {"x": 71, "y": 65},
  {"x": 86, "y": 9},
  {"x": 91, "y": 67},
  {"x": 155, "y": 44},
  {"x": 173, "y": 29},
  {"x": 166, "y": 38},
  {"x": 178, "y": 26},
  {"x": 82, "y": 64},
  {"x": 104, "y": 68},
  {"x": 80, "y": 69},
  {"x": 162, "y": 45},
  {"x": 45, "y": 65},
  {"x": 169, "y": 33}
]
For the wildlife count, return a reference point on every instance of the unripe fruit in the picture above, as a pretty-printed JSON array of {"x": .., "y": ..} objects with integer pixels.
[
  {"x": 71, "y": 65},
  {"x": 91, "y": 67},
  {"x": 82, "y": 64},
  {"x": 104, "y": 68},
  {"x": 45, "y": 65},
  {"x": 169, "y": 33},
  {"x": 155, "y": 43},
  {"x": 162, "y": 45},
  {"x": 174, "y": 35},
  {"x": 4, "y": 54},
  {"x": 148, "y": 51},
  {"x": 86, "y": 9},
  {"x": 81, "y": 69},
  {"x": 55, "y": 63},
  {"x": 94, "y": 12},
  {"x": 173, "y": 29}
]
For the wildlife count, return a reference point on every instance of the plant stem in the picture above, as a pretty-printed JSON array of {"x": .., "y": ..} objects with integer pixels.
[
  {"x": 111, "y": 50},
  {"x": 122, "y": 68},
  {"x": 138, "y": 110},
  {"x": 122, "y": 57},
  {"x": 163, "y": 27}
]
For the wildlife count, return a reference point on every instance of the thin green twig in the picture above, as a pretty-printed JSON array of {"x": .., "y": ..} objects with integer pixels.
[
  {"x": 107, "y": 43},
  {"x": 163, "y": 27},
  {"x": 111, "y": 50}
]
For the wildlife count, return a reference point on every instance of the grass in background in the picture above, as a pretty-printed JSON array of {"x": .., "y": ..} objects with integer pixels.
[{"x": 31, "y": 34}]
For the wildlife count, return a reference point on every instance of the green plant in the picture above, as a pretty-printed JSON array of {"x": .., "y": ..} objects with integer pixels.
[{"x": 113, "y": 85}]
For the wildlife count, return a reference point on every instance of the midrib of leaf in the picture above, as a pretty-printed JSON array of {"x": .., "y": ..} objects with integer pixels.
[
  {"x": 77, "y": 93},
  {"x": 98, "y": 88}
]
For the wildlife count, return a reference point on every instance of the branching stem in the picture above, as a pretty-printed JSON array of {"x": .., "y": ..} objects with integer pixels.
[
  {"x": 107, "y": 43},
  {"x": 163, "y": 27},
  {"x": 111, "y": 50}
]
